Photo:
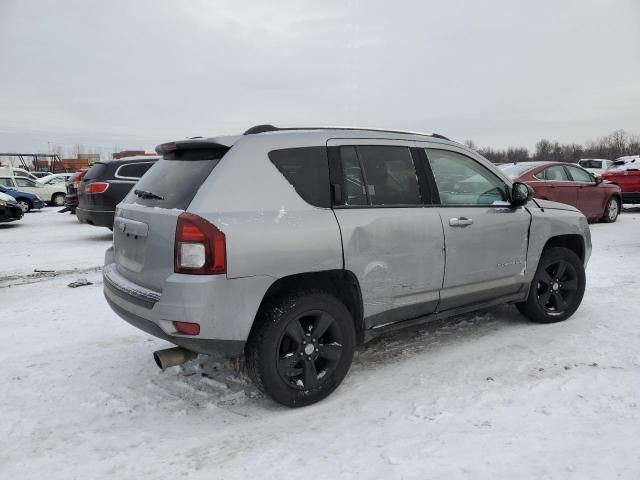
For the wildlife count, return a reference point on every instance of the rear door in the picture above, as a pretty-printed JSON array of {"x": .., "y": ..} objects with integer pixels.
[
  {"x": 144, "y": 226},
  {"x": 486, "y": 239},
  {"x": 392, "y": 237}
]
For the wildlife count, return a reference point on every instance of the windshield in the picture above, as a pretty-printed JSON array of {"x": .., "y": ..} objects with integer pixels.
[
  {"x": 590, "y": 163},
  {"x": 514, "y": 171}
]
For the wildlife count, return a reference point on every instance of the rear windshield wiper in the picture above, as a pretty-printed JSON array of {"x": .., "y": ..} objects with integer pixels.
[{"x": 145, "y": 194}]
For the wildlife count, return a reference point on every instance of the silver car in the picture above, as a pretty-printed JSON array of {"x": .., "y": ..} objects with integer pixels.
[{"x": 291, "y": 246}]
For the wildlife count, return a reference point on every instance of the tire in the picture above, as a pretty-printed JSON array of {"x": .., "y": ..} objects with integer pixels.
[
  {"x": 611, "y": 211},
  {"x": 557, "y": 287},
  {"x": 25, "y": 205},
  {"x": 58, "y": 199},
  {"x": 285, "y": 357}
]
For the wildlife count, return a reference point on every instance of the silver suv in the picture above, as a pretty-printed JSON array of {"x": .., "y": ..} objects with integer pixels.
[{"x": 292, "y": 246}]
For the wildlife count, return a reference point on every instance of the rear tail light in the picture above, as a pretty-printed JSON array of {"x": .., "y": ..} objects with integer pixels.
[
  {"x": 187, "y": 328},
  {"x": 200, "y": 248},
  {"x": 96, "y": 187}
]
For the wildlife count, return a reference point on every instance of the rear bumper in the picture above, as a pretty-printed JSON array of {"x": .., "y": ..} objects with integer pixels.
[
  {"x": 224, "y": 308},
  {"x": 99, "y": 218},
  {"x": 630, "y": 197},
  {"x": 227, "y": 348}
]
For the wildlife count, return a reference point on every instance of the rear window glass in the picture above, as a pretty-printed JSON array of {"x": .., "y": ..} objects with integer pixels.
[
  {"x": 514, "y": 171},
  {"x": 590, "y": 163},
  {"x": 96, "y": 171},
  {"x": 133, "y": 170},
  {"x": 307, "y": 170},
  {"x": 175, "y": 182}
]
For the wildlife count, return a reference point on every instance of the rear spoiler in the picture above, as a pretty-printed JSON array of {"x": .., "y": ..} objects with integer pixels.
[{"x": 197, "y": 143}]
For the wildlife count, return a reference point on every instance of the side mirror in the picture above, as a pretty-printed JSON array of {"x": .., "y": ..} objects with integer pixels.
[
  {"x": 598, "y": 180},
  {"x": 521, "y": 193}
]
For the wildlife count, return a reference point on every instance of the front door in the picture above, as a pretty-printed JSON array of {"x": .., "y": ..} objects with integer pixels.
[
  {"x": 590, "y": 198},
  {"x": 392, "y": 238},
  {"x": 486, "y": 239}
]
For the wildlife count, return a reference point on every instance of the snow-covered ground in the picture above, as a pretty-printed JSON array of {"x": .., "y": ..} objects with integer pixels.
[{"x": 488, "y": 396}]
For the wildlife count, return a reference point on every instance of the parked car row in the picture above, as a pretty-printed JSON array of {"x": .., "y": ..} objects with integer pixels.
[
  {"x": 568, "y": 183},
  {"x": 91, "y": 193},
  {"x": 51, "y": 191},
  {"x": 105, "y": 184}
]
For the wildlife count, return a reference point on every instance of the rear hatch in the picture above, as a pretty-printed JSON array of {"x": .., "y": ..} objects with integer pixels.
[{"x": 145, "y": 223}]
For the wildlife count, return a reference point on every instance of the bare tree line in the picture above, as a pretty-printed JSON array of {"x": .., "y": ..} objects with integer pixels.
[{"x": 612, "y": 146}]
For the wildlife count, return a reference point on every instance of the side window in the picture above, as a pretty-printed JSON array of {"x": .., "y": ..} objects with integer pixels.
[
  {"x": 579, "y": 175},
  {"x": 6, "y": 182},
  {"x": 133, "y": 170},
  {"x": 307, "y": 170},
  {"x": 463, "y": 181},
  {"x": 24, "y": 182},
  {"x": 556, "y": 173},
  {"x": 354, "y": 187},
  {"x": 390, "y": 175}
]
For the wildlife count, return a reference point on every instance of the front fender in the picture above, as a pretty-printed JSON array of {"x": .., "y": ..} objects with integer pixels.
[{"x": 549, "y": 223}]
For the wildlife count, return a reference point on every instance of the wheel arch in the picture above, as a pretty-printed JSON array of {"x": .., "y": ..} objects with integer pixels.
[
  {"x": 572, "y": 241},
  {"x": 25, "y": 199},
  {"x": 343, "y": 284}
]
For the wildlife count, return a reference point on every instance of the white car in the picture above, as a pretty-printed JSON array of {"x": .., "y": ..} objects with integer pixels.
[
  {"x": 597, "y": 166},
  {"x": 55, "y": 178},
  {"x": 52, "y": 194},
  {"x": 16, "y": 172}
]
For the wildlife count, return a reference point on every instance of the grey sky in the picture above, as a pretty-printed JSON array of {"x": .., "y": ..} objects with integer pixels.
[{"x": 135, "y": 73}]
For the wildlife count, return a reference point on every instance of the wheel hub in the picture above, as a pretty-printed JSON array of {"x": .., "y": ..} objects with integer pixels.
[
  {"x": 555, "y": 286},
  {"x": 309, "y": 349}
]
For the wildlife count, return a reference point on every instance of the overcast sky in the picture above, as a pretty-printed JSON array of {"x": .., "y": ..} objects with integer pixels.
[{"x": 135, "y": 73}]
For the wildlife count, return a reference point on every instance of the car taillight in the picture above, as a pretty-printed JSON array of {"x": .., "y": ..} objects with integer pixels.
[
  {"x": 200, "y": 248},
  {"x": 96, "y": 187}
]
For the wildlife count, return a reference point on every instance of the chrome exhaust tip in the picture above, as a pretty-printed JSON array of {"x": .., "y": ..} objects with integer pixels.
[{"x": 170, "y": 357}]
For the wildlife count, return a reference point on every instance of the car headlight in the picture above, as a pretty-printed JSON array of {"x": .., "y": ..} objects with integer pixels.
[
  {"x": 3, "y": 203},
  {"x": 38, "y": 198}
]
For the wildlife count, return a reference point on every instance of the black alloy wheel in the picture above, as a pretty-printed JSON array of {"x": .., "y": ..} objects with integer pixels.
[
  {"x": 309, "y": 350},
  {"x": 557, "y": 287},
  {"x": 301, "y": 346}
]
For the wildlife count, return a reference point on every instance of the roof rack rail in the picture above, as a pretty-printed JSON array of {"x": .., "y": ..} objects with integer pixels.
[
  {"x": 270, "y": 128},
  {"x": 261, "y": 129}
]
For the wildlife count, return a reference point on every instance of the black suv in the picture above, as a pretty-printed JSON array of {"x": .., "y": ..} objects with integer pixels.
[{"x": 105, "y": 185}]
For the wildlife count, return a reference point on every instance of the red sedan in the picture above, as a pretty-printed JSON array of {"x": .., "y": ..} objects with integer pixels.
[{"x": 569, "y": 183}]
